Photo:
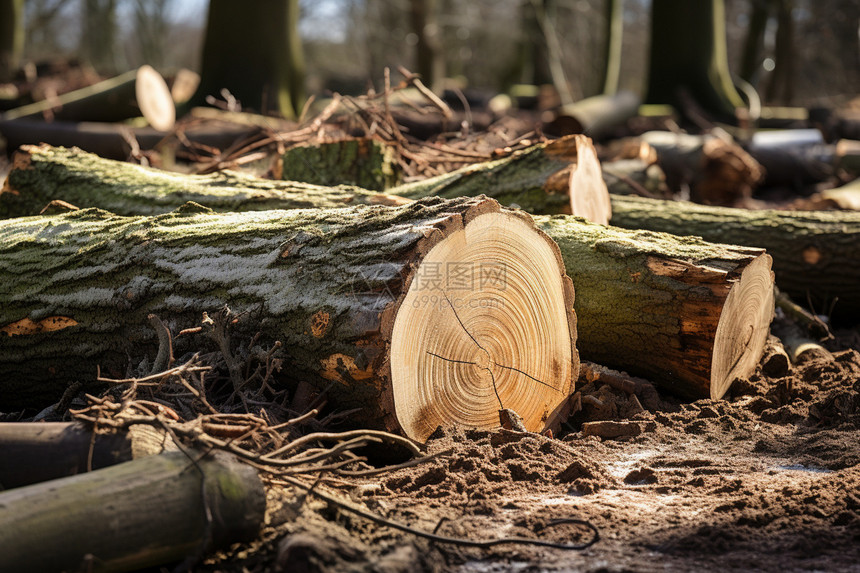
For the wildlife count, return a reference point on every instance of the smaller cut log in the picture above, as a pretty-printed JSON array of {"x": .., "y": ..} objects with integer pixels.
[
  {"x": 537, "y": 179},
  {"x": 686, "y": 314},
  {"x": 135, "y": 93},
  {"x": 792, "y": 157},
  {"x": 37, "y": 452},
  {"x": 717, "y": 172},
  {"x": 596, "y": 117},
  {"x": 816, "y": 254},
  {"x": 799, "y": 347},
  {"x": 364, "y": 163},
  {"x": 134, "y": 515},
  {"x": 775, "y": 361}
]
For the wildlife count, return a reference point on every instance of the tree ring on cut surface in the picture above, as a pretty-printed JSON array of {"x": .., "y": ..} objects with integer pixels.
[
  {"x": 487, "y": 323},
  {"x": 743, "y": 327}
]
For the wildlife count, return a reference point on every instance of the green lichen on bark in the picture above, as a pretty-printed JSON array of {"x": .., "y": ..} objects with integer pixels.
[
  {"x": 815, "y": 253},
  {"x": 365, "y": 163},
  {"x": 107, "y": 273},
  {"x": 42, "y": 174},
  {"x": 523, "y": 179},
  {"x": 633, "y": 314}
]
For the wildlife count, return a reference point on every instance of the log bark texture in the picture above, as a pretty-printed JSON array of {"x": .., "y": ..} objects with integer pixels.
[
  {"x": 364, "y": 163},
  {"x": 815, "y": 253},
  {"x": 537, "y": 179},
  {"x": 595, "y": 116},
  {"x": 687, "y": 314},
  {"x": 349, "y": 292},
  {"x": 559, "y": 177},
  {"x": 41, "y": 174},
  {"x": 131, "y": 516}
]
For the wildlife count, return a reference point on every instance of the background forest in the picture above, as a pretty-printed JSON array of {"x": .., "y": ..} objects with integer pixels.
[{"x": 806, "y": 51}]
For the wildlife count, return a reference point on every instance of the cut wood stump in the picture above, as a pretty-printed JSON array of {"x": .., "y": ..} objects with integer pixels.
[
  {"x": 437, "y": 312},
  {"x": 131, "y": 516},
  {"x": 686, "y": 314},
  {"x": 816, "y": 254}
]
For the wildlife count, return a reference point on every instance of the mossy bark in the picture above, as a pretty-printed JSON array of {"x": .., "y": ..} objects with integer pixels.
[
  {"x": 76, "y": 290},
  {"x": 535, "y": 179},
  {"x": 42, "y": 174},
  {"x": 364, "y": 163},
  {"x": 816, "y": 254},
  {"x": 649, "y": 303},
  {"x": 131, "y": 516}
]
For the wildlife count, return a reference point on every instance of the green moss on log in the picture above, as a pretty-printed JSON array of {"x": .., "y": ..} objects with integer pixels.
[
  {"x": 42, "y": 174},
  {"x": 365, "y": 163}
]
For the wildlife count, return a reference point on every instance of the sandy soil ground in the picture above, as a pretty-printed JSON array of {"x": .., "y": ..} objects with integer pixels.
[{"x": 767, "y": 480}]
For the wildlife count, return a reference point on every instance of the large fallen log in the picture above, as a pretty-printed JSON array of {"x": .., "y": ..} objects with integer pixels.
[
  {"x": 686, "y": 314},
  {"x": 41, "y": 174},
  {"x": 134, "y": 515},
  {"x": 562, "y": 176},
  {"x": 816, "y": 254},
  {"x": 437, "y": 312},
  {"x": 37, "y": 452}
]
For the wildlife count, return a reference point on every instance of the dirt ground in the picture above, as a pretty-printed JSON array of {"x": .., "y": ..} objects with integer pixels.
[{"x": 767, "y": 479}]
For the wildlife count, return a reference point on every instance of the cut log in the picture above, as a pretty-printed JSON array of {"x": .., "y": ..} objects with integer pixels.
[
  {"x": 688, "y": 315},
  {"x": 131, "y": 516},
  {"x": 537, "y": 179},
  {"x": 792, "y": 157},
  {"x": 546, "y": 178},
  {"x": 37, "y": 452},
  {"x": 799, "y": 347},
  {"x": 596, "y": 116},
  {"x": 815, "y": 253},
  {"x": 110, "y": 139},
  {"x": 775, "y": 361},
  {"x": 135, "y": 93},
  {"x": 432, "y": 313},
  {"x": 42, "y": 174},
  {"x": 364, "y": 163},
  {"x": 718, "y": 173}
]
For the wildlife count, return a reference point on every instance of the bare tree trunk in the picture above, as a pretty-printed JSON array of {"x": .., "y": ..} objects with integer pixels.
[
  {"x": 612, "y": 42},
  {"x": 98, "y": 41},
  {"x": 253, "y": 50},
  {"x": 688, "y": 56},
  {"x": 781, "y": 86},
  {"x": 11, "y": 37},
  {"x": 754, "y": 42},
  {"x": 429, "y": 55}
]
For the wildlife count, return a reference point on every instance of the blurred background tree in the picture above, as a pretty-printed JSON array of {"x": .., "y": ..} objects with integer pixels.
[{"x": 793, "y": 51}]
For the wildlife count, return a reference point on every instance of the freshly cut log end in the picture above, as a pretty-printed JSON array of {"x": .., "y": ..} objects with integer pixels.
[
  {"x": 329, "y": 284},
  {"x": 154, "y": 99},
  {"x": 744, "y": 326},
  {"x": 589, "y": 196},
  {"x": 487, "y": 323}
]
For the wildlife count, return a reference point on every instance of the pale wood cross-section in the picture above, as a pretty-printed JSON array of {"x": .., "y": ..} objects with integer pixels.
[{"x": 486, "y": 324}]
